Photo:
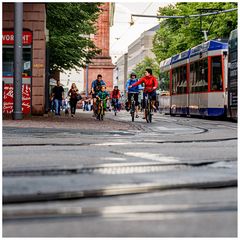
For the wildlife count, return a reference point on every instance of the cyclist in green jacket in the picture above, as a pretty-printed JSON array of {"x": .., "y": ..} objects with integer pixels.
[{"x": 103, "y": 95}]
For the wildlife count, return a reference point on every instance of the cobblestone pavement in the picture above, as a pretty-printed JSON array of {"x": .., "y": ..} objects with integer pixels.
[{"x": 82, "y": 120}]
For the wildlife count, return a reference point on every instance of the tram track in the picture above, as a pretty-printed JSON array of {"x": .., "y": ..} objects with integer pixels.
[
  {"x": 114, "y": 190},
  {"x": 111, "y": 168},
  {"x": 135, "y": 141},
  {"x": 112, "y": 211}
]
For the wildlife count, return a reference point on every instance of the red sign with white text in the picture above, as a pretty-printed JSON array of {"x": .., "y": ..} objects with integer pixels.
[
  {"x": 8, "y": 98},
  {"x": 8, "y": 38}
]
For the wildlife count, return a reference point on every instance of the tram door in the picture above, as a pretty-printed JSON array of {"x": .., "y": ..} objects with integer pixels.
[{"x": 8, "y": 68}]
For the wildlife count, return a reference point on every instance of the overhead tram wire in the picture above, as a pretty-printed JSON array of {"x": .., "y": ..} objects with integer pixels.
[{"x": 187, "y": 16}]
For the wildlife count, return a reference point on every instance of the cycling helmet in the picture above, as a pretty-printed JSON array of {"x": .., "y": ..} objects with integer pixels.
[{"x": 133, "y": 74}]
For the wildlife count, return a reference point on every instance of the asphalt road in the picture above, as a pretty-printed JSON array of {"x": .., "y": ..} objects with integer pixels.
[{"x": 176, "y": 177}]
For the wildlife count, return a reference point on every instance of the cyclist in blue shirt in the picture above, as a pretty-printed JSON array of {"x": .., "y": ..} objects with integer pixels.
[{"x": 133, "y": 91}]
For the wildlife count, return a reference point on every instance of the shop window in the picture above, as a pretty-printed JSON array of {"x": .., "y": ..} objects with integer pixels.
[
  {"x": 8, "y": 60},
  {"x": 216, "y": 76}
]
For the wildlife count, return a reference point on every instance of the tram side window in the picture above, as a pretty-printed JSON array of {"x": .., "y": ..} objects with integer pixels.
[
  {"x": 174, "y": 81},
  {"x": 216, "y": 77},
  {"x": 192, "y": 77},
  {"x": 199, "y": 76},
  {"x": 203, "y": 81},
  {"x": 8, "y": 59},
  {"x": 182, "y": 81}
]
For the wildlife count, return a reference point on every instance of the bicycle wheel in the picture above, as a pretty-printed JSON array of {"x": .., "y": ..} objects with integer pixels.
[
  {"x": 115, "y": 110},
  {"x": 151, "y": 109},
  {"x": 149, "y": 112},
  {"x": 146, "y": 112},
  {"x": 102, "y": 113},
  {"x": 97, "y": 113},
  {"x": 132, "y": 110},
  {"x": 150, "y": 116}
]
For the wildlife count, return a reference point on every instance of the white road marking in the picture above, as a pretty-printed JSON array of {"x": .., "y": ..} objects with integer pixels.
[
  {"x": 152, "y": 156},
  {"x": 113, "y": 158},
  {"x": 119, "y": 143}
]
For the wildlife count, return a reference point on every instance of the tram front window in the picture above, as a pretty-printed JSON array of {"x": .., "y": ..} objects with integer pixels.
[{"x": 216, "y": 79}]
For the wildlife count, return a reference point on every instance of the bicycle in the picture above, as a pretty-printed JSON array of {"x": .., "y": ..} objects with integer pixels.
[
  {"x": 148, "y": 108},
  {"x": 100, "y": 109},
  {"x": 115, "y": 106},
  {"x": 132, "y": 108}
]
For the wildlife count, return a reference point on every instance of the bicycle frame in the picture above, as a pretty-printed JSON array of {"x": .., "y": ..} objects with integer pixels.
[
  {"x": 115, "y": 105},
  {"x": 148, "y": 108},
  {"x": 132, "y": 107},
  {"x": 100, "y": 109}
]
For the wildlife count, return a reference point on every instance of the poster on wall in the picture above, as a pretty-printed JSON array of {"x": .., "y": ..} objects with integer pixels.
[{"x": 8, "y": 98}]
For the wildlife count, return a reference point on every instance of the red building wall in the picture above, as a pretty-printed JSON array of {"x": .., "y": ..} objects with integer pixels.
[
  {"x": 34, "y": 19},
  {"x": 102, "y": 64}
]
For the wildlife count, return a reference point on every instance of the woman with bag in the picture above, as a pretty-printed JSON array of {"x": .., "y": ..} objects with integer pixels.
[{"x": 74, "y": 98}]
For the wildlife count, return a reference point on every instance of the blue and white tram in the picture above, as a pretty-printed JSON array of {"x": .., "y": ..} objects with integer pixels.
[
  {"x": 208, "y": 79},
  {"x": 179, "y": 83},
  {"x": 198, "y": 80},
  {"x": 164, "y": 96}
]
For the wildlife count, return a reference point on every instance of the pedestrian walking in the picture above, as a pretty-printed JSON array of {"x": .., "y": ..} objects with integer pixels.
[
  {"x": 73, "y": 93},
  {"x": 57, "y": 97}
]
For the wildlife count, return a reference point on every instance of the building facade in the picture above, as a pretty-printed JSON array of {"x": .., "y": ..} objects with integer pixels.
[
  {"x": 141, "y": 48},
  {"x": 34, "y": 57},
  {"x": 137, "y": 51},
  {"x": 121, "y": 72},
  {"x": 101, "y": 64}
]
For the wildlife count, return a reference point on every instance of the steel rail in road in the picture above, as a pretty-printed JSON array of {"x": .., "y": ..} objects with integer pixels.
[
  {"x": 113, "y": 211},
  {"x": 115, "y": 190},
  {"x": 111, "y": 168}
]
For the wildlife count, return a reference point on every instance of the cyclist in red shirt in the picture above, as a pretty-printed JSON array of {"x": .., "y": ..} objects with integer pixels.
[{"x": 150, "y": 86}]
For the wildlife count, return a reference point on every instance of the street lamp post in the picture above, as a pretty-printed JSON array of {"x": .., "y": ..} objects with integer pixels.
[
  {"x": 47, "y": 74},
  {"x": 18, "y": 28},
  {"x": 86, "y": 80}
]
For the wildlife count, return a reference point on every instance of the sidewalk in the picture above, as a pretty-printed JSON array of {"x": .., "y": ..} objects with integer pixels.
[{"x": 82, "y": 120}]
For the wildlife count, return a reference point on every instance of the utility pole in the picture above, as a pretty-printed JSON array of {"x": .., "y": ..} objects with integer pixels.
[
  {"x": 47, "y": 74},
  {"x": 17, "y": 81},
  {"x": 87, "y": 80}
]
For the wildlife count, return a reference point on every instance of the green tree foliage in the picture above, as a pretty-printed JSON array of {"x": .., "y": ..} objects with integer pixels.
[
  {"x": 177, "y": 35},
  {"x": 68, "y": 25},
  {"x": 147, "y": 63}
]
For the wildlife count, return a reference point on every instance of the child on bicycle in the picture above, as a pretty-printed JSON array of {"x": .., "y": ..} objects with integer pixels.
[
  {"x": 103, "y": 95},
  {"x": 115, "y": 95}
]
